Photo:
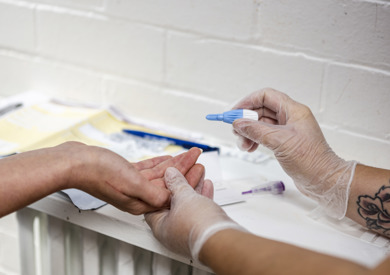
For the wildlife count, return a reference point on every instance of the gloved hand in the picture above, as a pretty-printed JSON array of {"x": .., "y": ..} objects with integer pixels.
[
  {"x": 192, "y": 218},
  {"x": 290, "y": 130}
]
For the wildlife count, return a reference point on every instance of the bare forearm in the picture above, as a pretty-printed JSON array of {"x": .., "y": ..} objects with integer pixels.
[
  {"x": 30, "y": 176},
  {"x": 235, "y": 252},
  {"x": 369, "y": 200},
  {"x": 135, "y": 188}
]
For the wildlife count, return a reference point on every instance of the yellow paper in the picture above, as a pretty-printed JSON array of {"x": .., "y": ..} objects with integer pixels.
[{"x": 49, "y": 124}]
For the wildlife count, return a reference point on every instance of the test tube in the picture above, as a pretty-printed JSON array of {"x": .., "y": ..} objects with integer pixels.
[{"x": 273, "y": 187}]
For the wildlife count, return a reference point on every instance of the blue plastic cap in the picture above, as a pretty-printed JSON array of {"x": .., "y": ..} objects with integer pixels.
[
  {"x": 228, "y": 116},
  {"x": 217, "y": 117},
  {"x": 232, "y": 115}
]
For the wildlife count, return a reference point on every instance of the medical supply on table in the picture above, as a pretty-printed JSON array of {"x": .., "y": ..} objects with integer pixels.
[
  {"x": 4, "y": 156},
  {"x": 10, "y": 108},
  {"x": 183, "y": 143},
  {"x": 232, "y": 115},
  {"x": 273, "y": 187}
]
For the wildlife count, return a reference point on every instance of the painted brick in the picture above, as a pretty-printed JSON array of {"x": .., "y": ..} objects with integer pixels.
[
  {"x": 176, "y": 109},
  {"x": 353, "y": 146},
  {"x": 353, "y": 31},
  {"x": 14, "y": 75},
  {"x": 222, "y": 18},
  {"x": 358, "y": 100},
  {"x": 17, "y": 26},
  {"x": 85, "y": 4},
  {"x": 227, "y": 71},
  {"x": 20, "y": 74},
  {"x": 101, "y": 44}
]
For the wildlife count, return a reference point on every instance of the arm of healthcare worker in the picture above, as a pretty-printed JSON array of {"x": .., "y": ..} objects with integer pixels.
[
  {"x": 340, "y": 187},
  {"x": 136, "y": 188},
  {"x": 196, "y": 227}
]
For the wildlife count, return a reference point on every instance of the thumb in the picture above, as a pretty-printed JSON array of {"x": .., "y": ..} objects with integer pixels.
[
  {"x": 271, "y": 136},
  {"x": 176, "y": 182},
  {"x": 156, "y": 219}
]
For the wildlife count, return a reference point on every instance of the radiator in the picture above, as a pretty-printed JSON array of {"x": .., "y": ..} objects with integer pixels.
[{"x": 49, "y": 245}]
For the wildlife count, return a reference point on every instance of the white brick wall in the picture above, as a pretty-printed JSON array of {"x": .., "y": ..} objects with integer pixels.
[
  {"x": 230, "y": 19},
  {"x": 227, "y": 70},
  {"x": 101, "y": 43},
  {"x": 17, "y": 26},
  {"x": 175, "y": 61},
  {"x": 351, "y": 31},
  {"x": 19, "y": 72},
  {"x": 358, "y": 100}
]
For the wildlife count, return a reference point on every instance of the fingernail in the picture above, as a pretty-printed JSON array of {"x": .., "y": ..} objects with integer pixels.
[
  {"x": 238, "y": 129},
  {"x": 236, "y": 124}
]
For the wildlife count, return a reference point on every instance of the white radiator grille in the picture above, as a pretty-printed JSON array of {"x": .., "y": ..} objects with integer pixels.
[{"x": 51, "y": 246}]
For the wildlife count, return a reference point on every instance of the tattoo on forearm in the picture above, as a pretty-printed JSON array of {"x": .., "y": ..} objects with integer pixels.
[{"x": 376, "y": 210}]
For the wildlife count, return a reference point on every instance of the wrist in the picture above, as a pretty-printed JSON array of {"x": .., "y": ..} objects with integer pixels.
[
  {"x": 334, "y": 199},
  {"x": 72, "y": 164},
  {"x": 219, "y": 245},
  {"x": 207, "y": 250},
  {"x": 197, "y": 244},
  {"x": 326, "y": 171},
  {"x": 50, "y": 166},
  {"x": 330, "y": 184}
]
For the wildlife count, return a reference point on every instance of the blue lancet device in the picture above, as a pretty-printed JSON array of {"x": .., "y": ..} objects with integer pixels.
[{"x": 232, "y": 115}]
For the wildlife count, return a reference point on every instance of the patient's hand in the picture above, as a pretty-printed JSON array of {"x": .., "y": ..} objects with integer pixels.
[{"x": 132, "y": 187}]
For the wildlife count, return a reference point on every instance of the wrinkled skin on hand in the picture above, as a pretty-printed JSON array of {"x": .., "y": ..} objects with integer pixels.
[
  {"x": 133, "y": 187},
  {"x": 136, "y": 188}
]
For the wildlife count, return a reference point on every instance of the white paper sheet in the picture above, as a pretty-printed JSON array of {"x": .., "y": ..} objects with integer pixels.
[{"x": 82, "y": 200}]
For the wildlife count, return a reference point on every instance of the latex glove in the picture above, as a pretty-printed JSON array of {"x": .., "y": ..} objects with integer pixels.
[
  {"x": 290, "y": 130},
  {"x": 192, "y": 218}
]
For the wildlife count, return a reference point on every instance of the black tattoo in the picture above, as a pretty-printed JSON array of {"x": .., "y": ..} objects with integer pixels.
[{"x": 376, "y": 210}]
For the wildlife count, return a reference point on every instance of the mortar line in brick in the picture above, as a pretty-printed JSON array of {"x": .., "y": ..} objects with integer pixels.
[
  {"x": 384, "y": 3},
  {"x": 98, "y": 15},
  {"x": 164, "y": 56},
  {"x": 165, "y": 88},
  {"x": 35, "y": 29},
  {"x": 337, "y": 128}
]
